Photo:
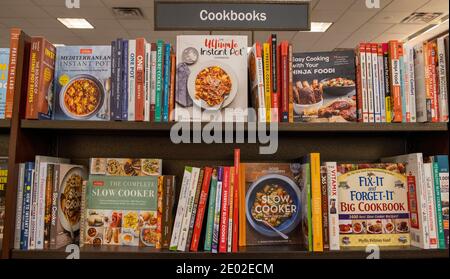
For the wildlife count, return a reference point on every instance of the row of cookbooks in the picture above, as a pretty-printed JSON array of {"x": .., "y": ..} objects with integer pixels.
[
  {"x": 399, "y": 201},
  {"x": 203, "y": 76}
]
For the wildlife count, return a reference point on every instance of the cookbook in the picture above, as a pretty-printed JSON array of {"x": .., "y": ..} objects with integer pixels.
[
  {"x": 211, "y": 77},
  {"x": 125, "y": 167},
  {"x": 82, "y": 83}
]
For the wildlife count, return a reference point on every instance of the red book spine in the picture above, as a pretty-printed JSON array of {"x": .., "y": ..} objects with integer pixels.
[
  {"x": 359, "y": 91},
  {"x": 223, "y": 240},
  {"x": 237, "y": 165},
  {"x": 140, "y": 79},
  {"x": 201, "y": 209}
]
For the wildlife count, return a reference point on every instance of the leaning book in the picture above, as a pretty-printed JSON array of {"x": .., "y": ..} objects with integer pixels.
[
  {"x": 120, "y": 211},
  {"x": 373, "y": 205}
]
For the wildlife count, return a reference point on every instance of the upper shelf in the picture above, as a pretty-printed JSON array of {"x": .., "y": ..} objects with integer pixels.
[{"x": 282, "y": 127}]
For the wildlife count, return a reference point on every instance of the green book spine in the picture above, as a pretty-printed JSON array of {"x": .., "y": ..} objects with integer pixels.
[
  {"x": 159, "y": 80},
  {"x": 437, "y": 195},
  {"x": 310, "y": 236},
  {"x": 211, "y": 208}
]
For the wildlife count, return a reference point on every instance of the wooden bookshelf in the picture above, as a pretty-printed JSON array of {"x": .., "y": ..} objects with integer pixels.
[
  {"x": 5, "y": 124},
  {"x": 254, "y": 253}
]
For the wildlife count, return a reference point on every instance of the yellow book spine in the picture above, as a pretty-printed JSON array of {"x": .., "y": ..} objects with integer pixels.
[
  {"x": 267, "y": 80},
  {"x": 316, "y": 199},
  {"x": 242, "y": 218}
]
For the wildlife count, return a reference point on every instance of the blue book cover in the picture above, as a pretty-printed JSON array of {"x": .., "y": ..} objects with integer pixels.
[
  {"x": 125, "y": 80},
  {"x": 4, "y": 63},
  {"x": 24, "y": 227},
  {"x": 167, "y": 68}
]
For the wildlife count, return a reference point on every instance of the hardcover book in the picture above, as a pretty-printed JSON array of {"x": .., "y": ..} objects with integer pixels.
[
  {"x": 4, "y": 63},
  {"x": 83, "y": 83},
  {"x": 211, "y": 77},
  {"x": 373, "y": 205},
  {"x": 324, "y": 87},
  {"x": 3, "y": 181}
]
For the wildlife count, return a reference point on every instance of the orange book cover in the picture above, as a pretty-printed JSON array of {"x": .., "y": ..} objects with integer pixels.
[
  {"x": 434, "y": 87},
  {"x": 316, "y": 203},
  {"x": 395, "y": 82},
  {"x": 140, "y": 80}
]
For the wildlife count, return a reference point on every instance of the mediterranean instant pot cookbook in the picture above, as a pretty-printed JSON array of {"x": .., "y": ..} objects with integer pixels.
[
  {"x": 324, "y": 87},
  {"x": 211, "y": 76},
  {"x": 82, "y": 83}
]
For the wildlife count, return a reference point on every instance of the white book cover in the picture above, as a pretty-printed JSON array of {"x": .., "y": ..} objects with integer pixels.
[
  {"x": 419, "y": 81},
  {"x": 442, "y": 72},
  {"x": 180, "y": 209},
  {"x": 212, "y": 77},
  {"x": 376, "y": 87},
  {"x": 333, "y": 208},
  {"x": 148, "y": 77},
  {"x": 409, "y": 53},
  {"x": 256, "y": 69},
  {"x": 153, "y": 78},
  {"x": 32, "y": 221},
  {"x": 417, "y": 196},
  {"x": 19, "y": 206},
  {"x": 131, "y": 80},
  {"x": 364, "y": 86},
  {"x": 217, "y": 209},
  {"x": 189, "y": 208},
  {"x": 382, "y": 86},
  {"x": 429, "y": 180},
  {"x": 370, "y": 93}
]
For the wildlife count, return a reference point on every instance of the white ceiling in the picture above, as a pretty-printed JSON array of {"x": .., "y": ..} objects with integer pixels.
[{"x": 353, "y": 22}]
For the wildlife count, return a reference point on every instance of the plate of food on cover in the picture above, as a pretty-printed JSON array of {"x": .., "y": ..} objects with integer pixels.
[
  {"x": 345, "y": 227},
  {"x": 82, "y": 97},
  {"x": 308, "y": 97},
  {"x": 149, "y": 236},
  {"x": 358, "y": 227},
  {"x": 388, "y": 226},
  {"x": 374, "y": 227},
  {"x": 69, "y": 206},
  {"x": 273, "y": 205},
  {"x": 213, "y": 85},
  {"x": 402, "y": 225}
]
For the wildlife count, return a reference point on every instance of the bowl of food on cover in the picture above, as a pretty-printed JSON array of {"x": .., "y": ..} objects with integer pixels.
[
  {"x": 374, "y": 227},
  {"x": 69, "y": 205},
  {"x": 402, "y": 226},
  {"x": 212, "y": 85},
  {"x": 127, "y": 239},
  {"x": 357, "y": 227},
  {"x": 345, "y": 227},
  {"x": 273, "y": 205},
  {"x": 388, "y": 226},
  {"x": 82, "y": 97},
  {"x": 308, "y": 97},
  {"x": 149, "y": 236},
  {"x": 151, "y": 167},
  {"x": 336, "y": 87}
]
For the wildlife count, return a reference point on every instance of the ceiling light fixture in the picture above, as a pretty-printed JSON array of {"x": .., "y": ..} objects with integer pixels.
[
  {"x": 76, "y": 23},
  {"x": 320, "y": 26}
]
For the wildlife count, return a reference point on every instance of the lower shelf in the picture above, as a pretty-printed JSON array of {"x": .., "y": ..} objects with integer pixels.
[{"x": 256, "y": 253}]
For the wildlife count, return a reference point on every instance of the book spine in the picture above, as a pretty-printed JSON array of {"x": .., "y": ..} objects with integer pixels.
[
  {"x": 12, "y": 71},
  {"x": 25, "y": 226},
  {"x": 404, "y": 87},
  {"x": 147, "y": 82},
  {"x": 217, "y": 211},
  {"x": 40, "y": 210},
  {"x": 166, "y": 89},
  {"x": 443, "y": 87},
  {"x": 159, "y": 80},
  {"x": 291, "y": 84},
  {"x": 189, "y": 209},
  {"x": 414, "y": 208},
  {"x": 359, "y": 86},
  {"x": 420, "y": 84},
  {"x": 201, "y": 209},
  {"x": 395, "y": 82},
  {"x": 437, "y": 196},
  {"x": 333, "y": 201},
  {"x": 49, "y": 181},
  {"x": 125, "y": 90},
  {"x": 387, "y": 87},
  {"x": 324, "y": 195},
  {"x": 428, "y": 83},
  {"x": 242, "y": 210},
  {"x": 375, "y": 80},
  {"x": 310, "y": 245},
  {"x": 139, "y": 80},
  {"x": 131, "y": 80},
  {"x": 211, "y": 212},
  {"x": 169, "y": 201},
  {"x": 381, "y": 83},
  {"x": 153, "y": 56},
  {"x": 54, "y": 220},
  {"x": 412, "y": 84},
  {"x": 180, "y": 209},
  {"x": 194, "y": 210},
  {"x": 316, "y": 202},
  {"x": 230, "y": 212},
  {"x": 33, "y": 78},
  {"x": 19, "y": 206},
  {"x": 431, "y": 207},
  {"x": 423, "y": 198},
  {"x": 370, "y": 91},
  {"x": 260, "y": 83},
  {"x": 159, "y": 214},
  {"x": 33, "y": 208},
  {"x": 173, "y": 67},
  {"x": 284, "y": 81},
  {"x": 223, "y": 235},
  {"x": 237, "y": 167},
  {"x": 434, "y": 80},
  {"x": 4, "y": 60},
  {"x": 444, "y": 189},
  {"x": 267, "y": 81},
  {"x": 113, "y": 104},
  {"x": 83, "y": 213},
  {"x": 118, "y": 81},
  {"x": 276, "y": 95}
]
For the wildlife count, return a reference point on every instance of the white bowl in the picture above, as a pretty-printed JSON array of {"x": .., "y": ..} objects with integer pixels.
[{"x": 300, "y": 109}]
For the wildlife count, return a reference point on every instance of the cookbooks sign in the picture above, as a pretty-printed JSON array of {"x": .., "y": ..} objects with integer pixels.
[{"x": 232, "y": 15}]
